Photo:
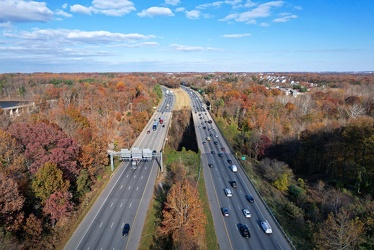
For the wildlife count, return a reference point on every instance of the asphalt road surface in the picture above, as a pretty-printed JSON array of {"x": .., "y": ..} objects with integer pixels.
[{"x": 220, "y": 176}]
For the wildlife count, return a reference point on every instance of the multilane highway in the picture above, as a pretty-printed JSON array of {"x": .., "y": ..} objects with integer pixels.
[
  {"x": 218, "y": 177},
  {"x": 126, "y": 197}
]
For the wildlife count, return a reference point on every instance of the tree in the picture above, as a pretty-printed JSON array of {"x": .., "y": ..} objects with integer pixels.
[
  {"x": 58, "y": 205},
  {"x": 339, "y": 231},
  {"x": 183, "y": 216},
  {"x": 33, "y": 228},
  {"x": 48, "y": 180},
  {"x": 11, "y": 203},
  {"x": 44, "y": 143}
]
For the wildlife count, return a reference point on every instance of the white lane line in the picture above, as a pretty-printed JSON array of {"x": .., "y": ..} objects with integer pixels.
[
  {"x": 137, "y": 188},
  {"x": 134, "y": 176},
  {"x": 129, "y": 188},
  {"x": 111, "y": 204},
  {"x": 127, "y": 176},
  {"x": 120, "y": 205},
  {"x": 101, "y": 224},
  {"x": 130, "y": 204},
  {"x": 121, "y": 187},
  {"x": 141, "y": 177},
  {"x": 112, "y": 224}
]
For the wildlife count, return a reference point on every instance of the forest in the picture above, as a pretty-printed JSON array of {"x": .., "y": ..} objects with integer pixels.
[
  {"x": 55, "y": 157},
  {"x": 310, "y": 141},
  {"x": 308, "y": 138}
]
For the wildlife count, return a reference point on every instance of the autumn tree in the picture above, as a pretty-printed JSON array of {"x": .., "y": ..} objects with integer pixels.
[
  {"x": 44, "y": 143},
  {"x": 11, "y": 203},
  {"x": 58, "y": 205},
  {"x": 49, "y": 180},
  {"x": 183, "y": 216},
  {"x": 339, "y": 231},
  {"x": 33, "y": 228}
]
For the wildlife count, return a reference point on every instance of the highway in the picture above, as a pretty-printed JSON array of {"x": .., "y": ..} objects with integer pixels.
[
  {"x": 127, "y": 196},
  {"x": 218, "y": 177}
]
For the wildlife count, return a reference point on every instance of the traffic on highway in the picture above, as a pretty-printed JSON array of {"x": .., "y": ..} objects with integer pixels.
[{"x": 240, "y": 218}]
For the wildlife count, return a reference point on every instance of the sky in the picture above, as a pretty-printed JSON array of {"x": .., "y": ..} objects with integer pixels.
[{"x": 64, "y": 36}]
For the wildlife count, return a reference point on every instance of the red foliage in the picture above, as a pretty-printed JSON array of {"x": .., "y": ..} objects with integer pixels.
[{"x": 44, "y": 143}]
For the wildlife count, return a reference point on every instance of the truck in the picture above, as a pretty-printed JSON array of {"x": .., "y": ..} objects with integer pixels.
[
  {"x": 161, "y": 120},
  {"x": 154, "y": 127}
]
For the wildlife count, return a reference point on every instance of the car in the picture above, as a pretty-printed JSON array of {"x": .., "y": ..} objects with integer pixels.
[
  {"x": 209, "y": 129},
  {"x": 199, "y": 126},
  {"x": 244, "y": 231},
  {"x": 233, "y": 184},
  {"x": 228, "y": 192},
  {"x": 126, "y": 229},
  {"x": 210, "y": 165},
  {"x": 225, "y": 211},
  {"x": 213, "y": 153},
  {"x": 223, "y": 149},
  {"x": 249, "y": 198},
  {"x": 210, "y": 121},
  {"x": 220, "y": 154},
  {"x": 149, "y": 131},
  {"x": 216, "y": 135},
  {"x": 204, "y": 142},
  {"x": 208, "y": 138},
  {"x": 215, "y": 142},
  {"x": 163, "y": 125},
  {"x": 204, "y": 127},
  {"x": 246, "y": 213},
  {"x": 211, "y": 134},
  {"x": 229, "y": 161},
  {"x": 266, "y": 227}
]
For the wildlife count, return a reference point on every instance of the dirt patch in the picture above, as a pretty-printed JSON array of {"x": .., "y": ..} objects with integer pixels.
[{"x": 182, "y": 99}]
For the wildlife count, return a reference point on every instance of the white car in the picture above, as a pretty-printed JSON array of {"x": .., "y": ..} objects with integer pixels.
[
  {"x": 266, "y": 227},
  {"x": 246, "y": 213},
  {"x": 228, "y": 192}
]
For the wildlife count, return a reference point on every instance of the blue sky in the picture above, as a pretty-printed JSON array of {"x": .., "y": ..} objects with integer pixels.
[{"x": 186, "y": 36}]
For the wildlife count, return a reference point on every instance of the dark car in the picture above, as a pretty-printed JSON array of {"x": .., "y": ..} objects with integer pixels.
[
  {"x": 149, "y": 131},
  {"x": 215, "y": 142},
  {"x": 204, "y": 142},
  {"x": 213, "y": 153},
  {"x": 204, "y": 127},
  {"x": 210, "y": 165},
  {"x": 126, "y": 230},
  {"x": 244, "y": 231},
  {"x": 163, "y": 125},
  {"x": 223, "y": 149},
  {"x": 229, "y": 161},
  {"x": 225, "y": 211},
  {"x": 249, "y": 198},
  {"x": 220, "y": 154},
  {"x": 233, "y": 184}
]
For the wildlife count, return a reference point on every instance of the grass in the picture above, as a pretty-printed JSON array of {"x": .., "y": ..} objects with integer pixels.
[{"x": 191, "y": 159}]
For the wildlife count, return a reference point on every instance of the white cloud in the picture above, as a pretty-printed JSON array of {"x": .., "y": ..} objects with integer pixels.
[
  {"x": 106, "y": 7},
  {"x": 172, "y": 2},
  {"x": 137, "y": 45},
  {"x": 180, "y": 9},
  {"x": 65, "y": 5},
  {"x": 236, "y": 35},
  {"x": 193, "y": 14},
  {"x": 208, "y": 5},
  {"x": 24, "y": 11},
  {"x": 156, "y": 11},
  {"x": 185, "y": 48},
  {"x": 63, "y": 13},
  {"x": 82, "y": 9},
  {"x": 261, "y": 11},
  {"x": 284, "y": 17},
  {"x": 64, "y": 36}
]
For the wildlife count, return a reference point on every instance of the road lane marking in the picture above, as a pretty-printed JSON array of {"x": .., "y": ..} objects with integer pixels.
[
  {"x": 112, "y": 224},
  {"x": 127, "y": 176},
  {"x": 121, "y": 187},
  {"x": 130, "y": 204},
  {"x": 129, "y": 188},
  {"x": 137, "y": 188},
  {"x": 111, "y": 204},
  {"x": 102, "y": 204},
  {"x": 101, "y": 224},
  {"x": 141, "y": 177},
  {"x": 134, "y": 176},
  {"x": 120, "y": 205}
]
